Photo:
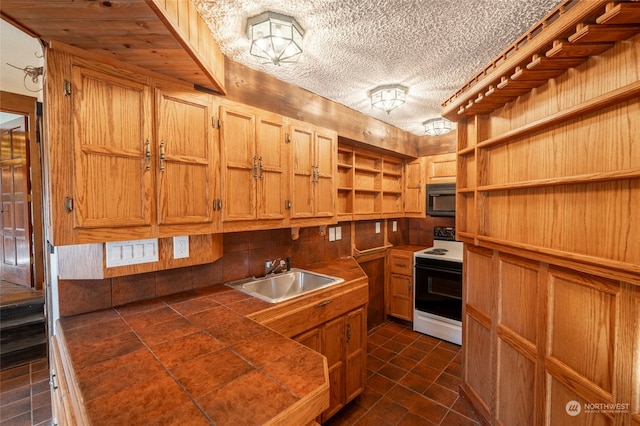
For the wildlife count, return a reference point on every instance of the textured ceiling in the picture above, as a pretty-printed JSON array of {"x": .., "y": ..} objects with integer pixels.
[{"x": 351, "y": 46}]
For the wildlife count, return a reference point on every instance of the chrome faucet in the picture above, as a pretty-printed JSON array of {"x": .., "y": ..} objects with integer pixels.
[{"x": 272, "y": 266}]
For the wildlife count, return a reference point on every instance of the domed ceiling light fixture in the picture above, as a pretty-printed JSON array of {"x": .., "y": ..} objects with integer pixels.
[
  {"x": 388, "y": 97},
  {"x": 437, "y": 126},
  {"x": 275, "y": 37}
]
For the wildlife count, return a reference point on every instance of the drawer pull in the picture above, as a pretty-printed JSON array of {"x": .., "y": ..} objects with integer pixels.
[
  {"x": 401, "y": 265},
  {"x": 325, "y": 303}
]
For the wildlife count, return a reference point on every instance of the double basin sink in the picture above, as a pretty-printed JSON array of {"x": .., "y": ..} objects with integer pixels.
[{"x": 275, "y": 288}]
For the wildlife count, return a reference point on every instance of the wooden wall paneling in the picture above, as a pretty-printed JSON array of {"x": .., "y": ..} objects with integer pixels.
[
  {"x": 479, "y": 330},
  {"x": 519, "y": 390},
  {"x": 583, "y": 344},
  {"x": 434, "y": 145},
  {"x": 517, "y": 309}
]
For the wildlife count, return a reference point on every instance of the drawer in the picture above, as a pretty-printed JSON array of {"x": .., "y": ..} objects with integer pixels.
[
  {"x": 291, "y": 319},
  {"x": 400, "y": 262}
]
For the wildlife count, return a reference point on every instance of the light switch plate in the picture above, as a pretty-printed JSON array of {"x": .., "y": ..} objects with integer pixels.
[
  {"x": 395, "y": 225},
  {"x": 332, "y": 234},
  {"x": 338, "y": 232},
  {"x": 377, "y": 227},
  {"x": 181, "y": 247},
  {"x": 131, "y": 252}
]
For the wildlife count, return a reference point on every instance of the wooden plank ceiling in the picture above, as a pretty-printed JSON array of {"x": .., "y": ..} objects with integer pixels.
[{"x": 143, "y": 33}]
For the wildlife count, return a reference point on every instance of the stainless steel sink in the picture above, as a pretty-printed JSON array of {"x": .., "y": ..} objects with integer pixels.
[{"x": 275, "y": 288}]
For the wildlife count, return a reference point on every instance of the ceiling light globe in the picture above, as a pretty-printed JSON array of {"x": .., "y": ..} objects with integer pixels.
[
  {"x": 437, "y": 126},
  {"x": 275, "y": 38},
  {"x": 388, "y": 97}
]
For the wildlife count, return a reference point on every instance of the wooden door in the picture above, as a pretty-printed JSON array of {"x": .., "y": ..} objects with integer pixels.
[
  {"x": 334, "y": 341},
  {"x": 185, "y": 158},
  {"x": 356, "y": 353},
  {"x": 111, "y": 133},
  {"x": 414, "y": 190},
  {"x": 15, "y": 214},
  {"x": 302, "y": 171},
  {"x": 239, "y": 163},
  {"x": 272, "y": 152},
  {"x": 326, "y": 168}
]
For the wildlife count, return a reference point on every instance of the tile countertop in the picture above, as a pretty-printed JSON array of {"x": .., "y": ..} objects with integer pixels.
[{"x": 193, "y": 358}]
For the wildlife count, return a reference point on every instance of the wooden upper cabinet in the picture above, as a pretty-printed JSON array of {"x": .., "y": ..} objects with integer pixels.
[
  {"x": 414, "y": 188},
  {"x": 186, "y": 158},
  {"x": 313, "y": 171},
  {"x": 326, "y": 170},
  {"x": 441, "y": 168},
  {"x": 273, "y": 165},
  {"x": 112, "y": 182},
  {"x": 143, "y": 161},
  {"x": 255, "y": 164}
]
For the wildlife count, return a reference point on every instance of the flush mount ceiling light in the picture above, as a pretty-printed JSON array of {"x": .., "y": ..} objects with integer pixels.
[
  {"x": 275, "y": 37},
  {"x": 437, "y": 126},
  {"x": 388, "y": 97}
]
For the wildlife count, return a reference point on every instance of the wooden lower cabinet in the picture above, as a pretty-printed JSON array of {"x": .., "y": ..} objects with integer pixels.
[
  {"x": 399, "y": 284},
  {"x": 343, "y": 341},
  {"x": 66, "y": 405}
]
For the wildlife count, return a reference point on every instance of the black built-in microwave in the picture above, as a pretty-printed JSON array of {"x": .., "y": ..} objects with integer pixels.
[{"x": 441, "y": 199}]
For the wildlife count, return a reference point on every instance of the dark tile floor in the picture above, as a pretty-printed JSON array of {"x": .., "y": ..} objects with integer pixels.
[
  {"x": 412, "y": 379},
  {"x": 25, "y": 397}
]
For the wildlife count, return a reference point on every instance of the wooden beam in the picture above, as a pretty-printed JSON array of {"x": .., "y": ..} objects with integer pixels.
[{"x": 261, "y": 90}]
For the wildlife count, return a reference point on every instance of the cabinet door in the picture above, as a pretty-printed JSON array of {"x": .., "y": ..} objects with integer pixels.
[
  {"x": 302, "y": 171},
  {"x": 441, "y": 168},
  {"x": 186, "y": 157},
  {"x": 400, "y": 303},
  {"x": 239, "y": 163},
  {"x": 334, "y": 341},
  {"x": 415, "y": 190},
  {"x": 326, "y": 168},
  {"x": 273, "y": 156},
  {"x": 311, "y": 339},
  {"x": 111, "y": 127},
  {"x": 356, "y": 353}
]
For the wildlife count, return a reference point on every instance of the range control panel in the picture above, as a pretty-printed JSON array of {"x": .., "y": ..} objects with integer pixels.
[{"x": 444, "y": 233}]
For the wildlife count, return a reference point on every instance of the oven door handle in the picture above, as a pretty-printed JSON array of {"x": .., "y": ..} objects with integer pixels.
[{"x": 437, "y": 269}]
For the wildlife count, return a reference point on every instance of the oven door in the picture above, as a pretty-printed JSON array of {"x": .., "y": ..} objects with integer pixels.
[{"x": 438, "y": 288}]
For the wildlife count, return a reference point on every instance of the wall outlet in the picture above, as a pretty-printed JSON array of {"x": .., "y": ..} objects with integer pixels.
[
  {"x": 377, "y": 227},
  {"x": 332, "y": 234},
  {"x": 338, "y": 232},
  {"x": 181, "y": 247},
  {"x": 395, "y": 225}
]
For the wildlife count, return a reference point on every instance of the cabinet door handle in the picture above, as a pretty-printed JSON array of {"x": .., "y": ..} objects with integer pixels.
[
  {"x": 348, "y": 333},
  {"x": 255, "y": 167},
  {"x": 52, "y": 381},
  {"x": 261, "y": 168},
  {"x": 147, "y": 155},
  {"x": 325, "y": 303},
  {"x": 162, "y": 156}
]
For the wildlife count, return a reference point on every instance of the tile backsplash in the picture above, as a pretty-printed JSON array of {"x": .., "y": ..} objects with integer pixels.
[{"x": 244, "y": 255}]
